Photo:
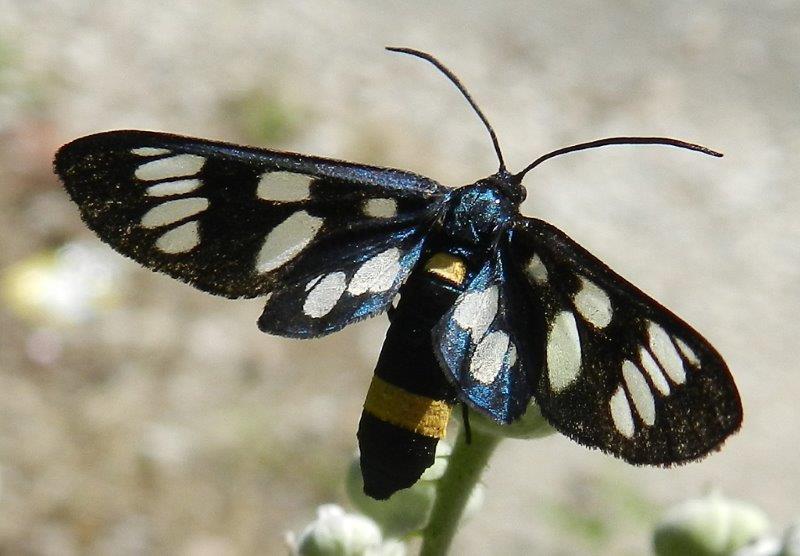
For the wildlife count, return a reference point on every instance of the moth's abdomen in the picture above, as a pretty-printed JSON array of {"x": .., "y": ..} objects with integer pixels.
[{"x": 409, "y": 401}]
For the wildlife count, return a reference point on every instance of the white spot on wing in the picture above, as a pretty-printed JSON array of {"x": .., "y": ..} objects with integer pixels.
[
  {"x": 476, "y": 311},
  {"x": 181, "y": 239},
  {"x": 640, "y": 392},
  {"x": 381, "y": 208},
  {"x": 593, "y": 304},
  {"x": 654, "y": 371},
  {"x": 324, "y": 295},
  {"x": 170, "y": 167},
  {"x": 664, "y": 350},
  {"x": 286, "y": 240},
  {"x": 621, "y": 412},
  {"x": 173, "y": 211},
  {"x": 178, "y": 187},
  {"x": 563, "y": 351},
  {"x": 487, "y": 360},
  {"x": 687, "y": 352},
  {"x": 536, "y": 270},
  {"x": 512, "y": 355},
  {"x": 376, "y": 274},
  {"x": 150, "y": 151},
  {"x": 313, "y": 282},
  {"x": 283, "y": 187}
]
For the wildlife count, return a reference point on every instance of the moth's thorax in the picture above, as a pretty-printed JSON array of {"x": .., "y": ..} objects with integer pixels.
[{"x": 475, "y": 212}]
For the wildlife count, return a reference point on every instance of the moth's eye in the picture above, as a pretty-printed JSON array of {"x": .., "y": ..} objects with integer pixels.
[{"x": 516, "y": 191}]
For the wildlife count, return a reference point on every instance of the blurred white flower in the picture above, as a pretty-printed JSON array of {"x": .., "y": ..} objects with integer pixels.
[
  {"x": 408, "y": 510},
  {"x": 771, "y": 545},
  {"x": 65, "y": 286},
  {"x": 338, "y": 533},
  {"x": 765, "y": 546},
  {"x": 709, "y": 526}
]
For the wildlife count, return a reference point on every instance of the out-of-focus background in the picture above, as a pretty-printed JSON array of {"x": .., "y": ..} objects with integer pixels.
[{"x": 138, "y": 415}]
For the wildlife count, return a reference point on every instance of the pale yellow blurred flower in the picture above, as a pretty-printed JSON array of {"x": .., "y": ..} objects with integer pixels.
[{"x": 65, "y": 286}]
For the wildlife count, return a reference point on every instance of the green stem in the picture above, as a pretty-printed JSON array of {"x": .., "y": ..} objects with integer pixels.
[{"x": 466, "y": 463}]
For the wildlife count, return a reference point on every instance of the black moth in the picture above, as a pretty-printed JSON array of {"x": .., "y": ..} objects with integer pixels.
[{"x": 494, "y": 308}]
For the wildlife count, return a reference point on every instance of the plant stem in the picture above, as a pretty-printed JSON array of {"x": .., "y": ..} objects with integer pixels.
[{"x": 464, "y": 469}]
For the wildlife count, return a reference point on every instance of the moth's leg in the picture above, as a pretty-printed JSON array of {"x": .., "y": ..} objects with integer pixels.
[{"x": 465, "y": 422}]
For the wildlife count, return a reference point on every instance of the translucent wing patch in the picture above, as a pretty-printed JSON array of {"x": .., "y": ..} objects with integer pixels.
[
  {"x": 232, "y": 220},
  {"x": 478, "y": 346},
  {"x": 620, "y": 372},
  {"x": 348, "y": 292}
]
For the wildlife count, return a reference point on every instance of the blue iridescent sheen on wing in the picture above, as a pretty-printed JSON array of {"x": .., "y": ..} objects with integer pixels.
[
  {"x": 495, "y": 307},
  {"x": 495, "y": 384},
  {"x": 289, "y": 311}
]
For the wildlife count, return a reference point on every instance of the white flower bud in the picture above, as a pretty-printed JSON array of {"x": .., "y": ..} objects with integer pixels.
[
  {"x": 337, "y": 533},
  {"x": 709, "y": 526}
]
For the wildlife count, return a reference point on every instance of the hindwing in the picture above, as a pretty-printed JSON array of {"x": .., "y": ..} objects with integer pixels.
[
  {"x": 482, "y": 346},
  {"x": 620, "y": 372}
]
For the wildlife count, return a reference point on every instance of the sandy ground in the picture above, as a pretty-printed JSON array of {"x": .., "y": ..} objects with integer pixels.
[{"x": 168, "y": 424}]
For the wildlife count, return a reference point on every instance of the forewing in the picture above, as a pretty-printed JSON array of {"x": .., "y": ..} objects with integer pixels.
[
  {"x": 620, "y": 372},
  {"x": 238, "y": 221},
  {"x": 479, "y": 347}
]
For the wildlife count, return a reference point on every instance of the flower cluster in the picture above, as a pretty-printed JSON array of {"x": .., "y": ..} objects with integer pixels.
[
  {"x": 376, "y": 530},
  {"x": 718, "y": 526}
]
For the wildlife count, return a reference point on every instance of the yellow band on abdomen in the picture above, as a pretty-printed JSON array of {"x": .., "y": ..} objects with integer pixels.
[{"x": 408, "y": 411}]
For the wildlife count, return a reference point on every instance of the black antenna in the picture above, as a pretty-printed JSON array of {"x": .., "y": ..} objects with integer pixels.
[
  {"x": 618, "y": 141},
  {"x": 461, "y": 88}
]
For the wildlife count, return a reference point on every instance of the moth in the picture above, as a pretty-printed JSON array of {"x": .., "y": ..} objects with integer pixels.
[{"x": 488, "y": 308}]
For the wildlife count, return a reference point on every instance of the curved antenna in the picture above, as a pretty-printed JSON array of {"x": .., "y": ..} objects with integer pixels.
[
  {"x": 460, "y": 87},
  {"x": 618, "y": 141}
]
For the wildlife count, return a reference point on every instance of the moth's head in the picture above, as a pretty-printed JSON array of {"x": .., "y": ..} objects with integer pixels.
[{"x": 509, "y": 184}]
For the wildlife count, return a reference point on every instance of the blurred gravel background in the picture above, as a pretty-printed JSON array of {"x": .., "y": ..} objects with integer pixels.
[{"x": 138, "y": 416}]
